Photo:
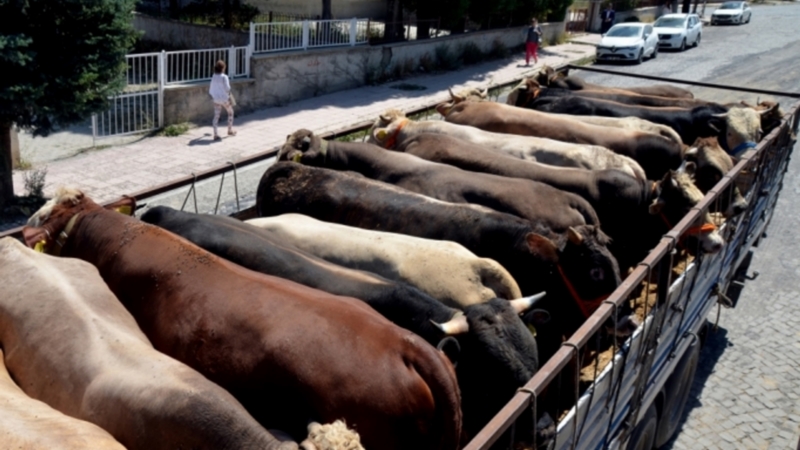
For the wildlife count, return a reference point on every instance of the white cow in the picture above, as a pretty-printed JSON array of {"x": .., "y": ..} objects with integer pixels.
[
  {"x": 71, "y": 344},
  {"x": 444, "y": 270},
  {"x": 393, "y": 127},
  {"x": 29, "y": 424}
]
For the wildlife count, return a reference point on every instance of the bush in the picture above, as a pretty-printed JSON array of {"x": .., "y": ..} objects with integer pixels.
[
  {"x": 446, "y": 59},
  {"x": 427, "y": 63},
  {"x": 175, "y": 130},
  {"x": 471, "y": 53},
  {"x": 498, "y": 50},
  {"x": 34, "y": 182}
]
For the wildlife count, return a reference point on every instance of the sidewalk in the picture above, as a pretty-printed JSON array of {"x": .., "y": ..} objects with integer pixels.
[{"x": 111, "y": 172}]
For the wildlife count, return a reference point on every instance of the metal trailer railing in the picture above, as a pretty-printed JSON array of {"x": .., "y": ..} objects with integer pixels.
[{"x": 605, "y": 408}]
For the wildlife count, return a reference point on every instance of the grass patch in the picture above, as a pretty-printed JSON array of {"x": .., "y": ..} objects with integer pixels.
[
  {"x": 24, "y": 164},
  {"x": 585, "y": 61},
  {"x": 175, "y": 130},
  {"x": 352, "y": 137}
]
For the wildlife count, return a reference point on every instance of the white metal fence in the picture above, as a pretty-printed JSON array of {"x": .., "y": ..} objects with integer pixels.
[
  {"x": 282, "y": 36},
  {"x": 139, "y": 107}
]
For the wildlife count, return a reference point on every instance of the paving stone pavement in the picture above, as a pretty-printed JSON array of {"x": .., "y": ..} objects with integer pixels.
[
  {"x": 123, "y": 169},
  {"x": 746, "y": 394}
]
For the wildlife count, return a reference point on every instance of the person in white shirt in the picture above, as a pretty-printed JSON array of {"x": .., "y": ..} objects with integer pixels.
[{"x": 220, "y": 91}]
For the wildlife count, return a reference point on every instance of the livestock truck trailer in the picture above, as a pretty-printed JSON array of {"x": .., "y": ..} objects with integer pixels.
[
  {"x": 619, "y": 394},
  {"x": 632, "y": 396}
]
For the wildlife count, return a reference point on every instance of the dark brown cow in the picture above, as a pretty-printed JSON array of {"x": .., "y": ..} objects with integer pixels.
[
  {"x": 539, "y": 203},
  {"x": 529, "y": 89},
  {"x": 550, "y": 78},
  {"x": 289, "y": 353},
  {"x": 712, "y": 163},
  {"x": 614, "y": 195},
  {"x": 654, "y": 153}
]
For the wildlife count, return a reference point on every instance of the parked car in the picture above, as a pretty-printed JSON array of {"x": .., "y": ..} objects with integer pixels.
[
  {"x": 678, "y": 30},
  {"x": 731, "y": 12},
  {"x": 628, "y": 42}
]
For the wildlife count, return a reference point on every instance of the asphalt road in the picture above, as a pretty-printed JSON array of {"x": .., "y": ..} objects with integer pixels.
[{"x": 746, "y": 394}]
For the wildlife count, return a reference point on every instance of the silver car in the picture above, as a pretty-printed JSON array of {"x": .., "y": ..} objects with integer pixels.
[
  {"x": 677, "y": 31},
  {"x": 731, "y": 12},
  {"x": 628, "y": 42}
]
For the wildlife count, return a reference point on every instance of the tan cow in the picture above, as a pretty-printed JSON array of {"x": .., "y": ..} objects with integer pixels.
[
  {"x": 393, "y": 127},
  {"x": 29, "y": 424},
  {"x": 71, "y": 344},
  {"x": 444, "y": 270},
  {"x": 628, "y": 123}
]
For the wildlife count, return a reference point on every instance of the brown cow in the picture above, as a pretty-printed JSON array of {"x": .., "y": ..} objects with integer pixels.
[
  {"x": 550, "y": 78},
  {"x": 289, "y": 353},
  {"x": 29, "y": 424},
  {"x": 654, "y": 153},
  {"x": 539, "y": 203},
  {"x": 71, "y": 344},
  {"x": 712, "y": 163}
]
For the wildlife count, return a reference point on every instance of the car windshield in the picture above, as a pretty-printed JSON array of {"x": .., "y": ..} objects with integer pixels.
[
  {"x": 670, "y": 22},
  {"x": 731, "y": 5},
  {"x": 624, "y": 31}
]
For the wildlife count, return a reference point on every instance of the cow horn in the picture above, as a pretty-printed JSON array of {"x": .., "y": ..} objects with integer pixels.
[
  {"x": 384, "y": 118},
  {"x": 452, "y": 96},
  {"x": 523, "y": 304},
  {"x": 457, "y": 325},
  {"x": 574, "y": 236},
  {"x": 485, "y": 93},
  {"x": 720, "y": 115}
]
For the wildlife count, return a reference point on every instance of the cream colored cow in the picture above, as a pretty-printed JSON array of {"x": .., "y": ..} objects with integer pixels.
[
  {"x": 29, "y": 424},
  {"x": 444, "y": 270},
  {"x": 628, "y": 123},
  {"x": 393, "y": 127},
  {"x": 70, "y": 343}
]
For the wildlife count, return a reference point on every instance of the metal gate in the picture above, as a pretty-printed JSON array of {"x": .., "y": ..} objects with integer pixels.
[
  {"x": 577, "y": 20},
  {"x": 139, "y": 107}
]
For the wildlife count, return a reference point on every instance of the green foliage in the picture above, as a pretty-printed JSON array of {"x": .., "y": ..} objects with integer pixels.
[
  {"x": 450, "y": 12},
  {"x": 445, "y": 58},
  {"x": 175, "y": 130},
  {"x": 427, "y": 63},
  {"x": 34, "y": 182},
  {"x": 498, "y": 50},
  {"x": 230, "y": 14},
  {"x": 61, "y": 59},
  {"x": 471, "y": 53}
]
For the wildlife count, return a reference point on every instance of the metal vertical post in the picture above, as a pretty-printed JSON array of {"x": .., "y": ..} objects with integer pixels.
[
  {"x": 162, "y": 81},
  {"x": 353, "y": 25},
  {"x": 252, "y": 37},
  {"x": 233, "y": 66},
  {"x": 248, "y": 55},
  {"x": 305, "y": 34},
  {"x": 94, "y": 130}
]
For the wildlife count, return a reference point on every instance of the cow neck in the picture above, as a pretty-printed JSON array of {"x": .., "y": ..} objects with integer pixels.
[
  {"x": 393, "y": 138},
  {"x": 61, "y": 240},
  {"x": 587, "y": 307}
]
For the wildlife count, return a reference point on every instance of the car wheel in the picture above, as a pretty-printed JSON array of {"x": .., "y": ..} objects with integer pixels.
[
  {"x": 697, "y": 42},
  {"x": 683, "y": 45},
  {"x": 655, "y": 53},
  {"x": 641, "y": 57},
  {"x": 748, "y": 18}
]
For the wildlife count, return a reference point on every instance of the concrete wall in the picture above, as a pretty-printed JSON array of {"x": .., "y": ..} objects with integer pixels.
[
  {"x": 341, "y": 9},
  {"x": 278, "y": 79},
  {"x": 179, "y": 35}
]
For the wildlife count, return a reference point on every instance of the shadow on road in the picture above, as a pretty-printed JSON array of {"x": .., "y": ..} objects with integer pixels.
[{"x": 715, "y": 345}]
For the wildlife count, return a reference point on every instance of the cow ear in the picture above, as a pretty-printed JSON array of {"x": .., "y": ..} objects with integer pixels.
[
  {"x": 536, "y": 317},
  {"x": 689, "y": 168},
  {"x": 451, "y": 349},
  {"x": 126, "y": 205},
  {"x": 444, "y": 108},
  {"x": 543, "y": 246},
  {"x": 656, "y": 206}
]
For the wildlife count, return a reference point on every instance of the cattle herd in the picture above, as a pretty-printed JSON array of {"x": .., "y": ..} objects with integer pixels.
[{"x": 393, "y": 294}]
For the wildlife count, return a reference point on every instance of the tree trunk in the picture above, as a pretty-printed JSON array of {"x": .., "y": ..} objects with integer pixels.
[
  {"x": 6, "y": 182},
  {"x": 227, "y": 14},
  {"x": 174, "y": 9},
  {"x": 327, "y": 14},
  {"x": 394, "y": 29}
]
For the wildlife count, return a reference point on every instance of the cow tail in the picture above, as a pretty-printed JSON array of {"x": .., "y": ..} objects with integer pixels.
[{"x": 439, "y": 375}]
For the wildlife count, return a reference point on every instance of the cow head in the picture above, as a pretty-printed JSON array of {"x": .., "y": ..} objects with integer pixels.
[
  {"x": 498, "y": 354},
  {"x": 465, "y": 95},
  {"x": 583, "y": 263},
  {"x": 676, "y": 196},
  {"x": 48, "y": 228},
  {"x": 304, "y": 147},
  {"x": 711, "y": 164},
  {"x": 524, "y": 93},
  {"x": 738, "y": 129},
  {"x": 770, "y": 112},
  {"x": 385, "y": 129}
]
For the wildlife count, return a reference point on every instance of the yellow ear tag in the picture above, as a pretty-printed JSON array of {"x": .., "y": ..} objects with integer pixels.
[
  {"x": 297, "y": 157},
  {"x": 381, "y": 135},
  {"x": 532, "y": 329},
  {"x": 124, "y": 210},
  {"x": 39, "y": 247}
]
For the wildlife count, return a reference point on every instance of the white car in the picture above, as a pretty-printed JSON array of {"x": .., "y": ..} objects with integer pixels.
[
  {"x": 628, "y": 42},
  {"x": 678, "y": 30},
  {"x": 731, "y": 12}
]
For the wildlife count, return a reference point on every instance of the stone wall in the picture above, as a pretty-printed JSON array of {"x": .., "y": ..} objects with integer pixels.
[
  {"x": 180, "y": 35},
  {"x": 277, "y": 79}
]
